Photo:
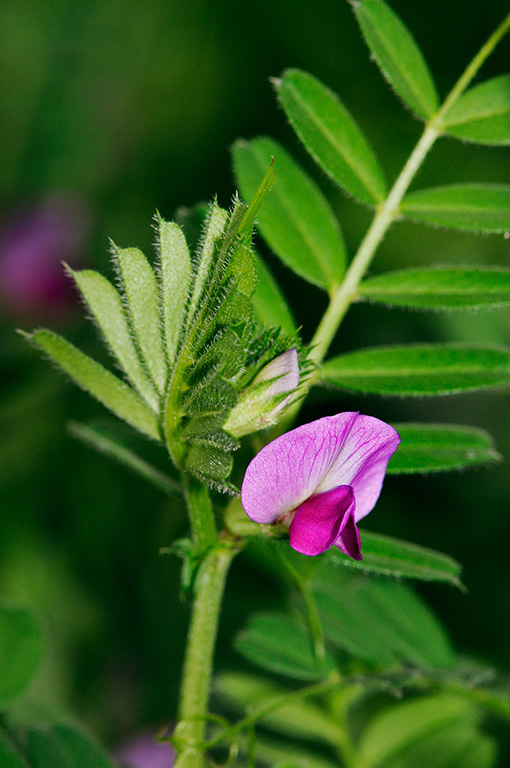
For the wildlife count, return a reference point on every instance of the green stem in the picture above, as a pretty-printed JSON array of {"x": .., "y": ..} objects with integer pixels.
[
  {"x": 201, "y": 514},
  {"x": 189, "y": 734},
  {"x": 389, "y": 209}
]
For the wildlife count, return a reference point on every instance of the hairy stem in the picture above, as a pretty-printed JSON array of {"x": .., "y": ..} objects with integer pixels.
[
  {"x": 201, "y": 514},
  {"x": 189, "y": 734}
]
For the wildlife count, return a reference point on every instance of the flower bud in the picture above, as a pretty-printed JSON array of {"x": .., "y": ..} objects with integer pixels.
[{"x": 271, "y": 391}]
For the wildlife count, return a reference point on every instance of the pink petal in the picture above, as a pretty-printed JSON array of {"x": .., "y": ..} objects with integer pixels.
[
  {"x": 361, "y": 461},
  {"x": 346, "y": 449},
  {"x": 348, "y": 540},
  {"x": 319, "y": 520}
]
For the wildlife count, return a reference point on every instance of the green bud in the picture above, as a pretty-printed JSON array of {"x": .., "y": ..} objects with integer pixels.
[{"x": 263, "y": 402}]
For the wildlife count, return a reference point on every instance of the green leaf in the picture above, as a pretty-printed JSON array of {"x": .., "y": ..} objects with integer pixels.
[
  {"x": 105, "y": 304},
  {"x": 277, "y": 644},
  {"x": 392, "y": 557},
  {"x": 270, "y": 304},
  {"x": 440, "y": 288},
  {"x": 106, "y": 444},
  {"x": 471, "y": 207},
  {"x": 142, "y": 294},
  {"x": 99, "y": 382},
  {"x": 454, "y": 745},
  {"x": 301, "y": 719},
  {"x": 380, "y": 620},
  {"x": 288, "y": 755},
  {"x": 482, "y": 114},
  {"x": 175, "y": 266},
  {"x": 440, "y": 448},
  {"x": 297, "y": 221},
  {"x": 331, "y": 135},
  {"x": 62, "y": 746},
  {"x": 9, "y": 756},
  {"x": 408, "y": 723},
  {"x": 21, "y": 648},
  {"x": 397, "y": 55},
  {"x": 419, "y": 370}
]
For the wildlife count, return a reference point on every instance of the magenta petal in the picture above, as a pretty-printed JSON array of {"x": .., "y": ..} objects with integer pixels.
[
  {"x": 348, "y": 539},
  {"x": 320, "y": 520}
]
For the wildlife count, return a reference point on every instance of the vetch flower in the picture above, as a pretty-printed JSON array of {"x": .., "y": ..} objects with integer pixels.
[{"x": 320, "y": 479}]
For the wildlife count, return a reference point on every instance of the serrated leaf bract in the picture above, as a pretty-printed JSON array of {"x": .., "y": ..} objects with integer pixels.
[
  {"x": 397, "y": 55},
  {"x": 331, "y": 136}
]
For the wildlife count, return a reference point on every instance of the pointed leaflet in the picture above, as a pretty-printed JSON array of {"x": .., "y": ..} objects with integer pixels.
[
  {"x": 265, "y": 642},
  {"x": 472, "y": 207},
  {"x": 440, "y": 448},
  {"x": 401, "y": 559},
  {"x": 114, "y": 393},
  {"x": 331, "y": 135},
  {"x": 269, "y": 302},
  {"x": 482, "y": 114},
  {"x": 105, "y": 304},
  {"x": 175, "y": 266},
  {"x": 419, "y": 370},
  {"x": 381, "y": 620},
  {"x": 20, "y": 650},
  {"x": 297, "y": 222},
  {"x": 402, "y": 726},
  {"x": 397, "y": 55},
  {"x": 142, "y": 294},
  {"x": 440, "y": 288}
]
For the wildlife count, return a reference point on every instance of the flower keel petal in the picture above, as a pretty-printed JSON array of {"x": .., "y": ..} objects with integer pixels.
[{"x": 320, "y": 520}]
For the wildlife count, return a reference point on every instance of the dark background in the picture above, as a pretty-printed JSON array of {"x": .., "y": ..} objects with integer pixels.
[{"x": 111, "y": 110}]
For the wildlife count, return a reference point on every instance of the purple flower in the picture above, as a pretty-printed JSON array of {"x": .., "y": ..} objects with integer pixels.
[
  {"x": 142, "y": 751},
  {"x": 320, "y": 479}
]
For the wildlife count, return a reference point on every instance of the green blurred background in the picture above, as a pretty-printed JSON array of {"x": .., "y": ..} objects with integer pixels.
[{"x": 109, "y": 111}]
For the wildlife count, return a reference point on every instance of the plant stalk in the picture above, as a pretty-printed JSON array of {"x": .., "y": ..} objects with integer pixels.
[{"x": 189, "y": 735}]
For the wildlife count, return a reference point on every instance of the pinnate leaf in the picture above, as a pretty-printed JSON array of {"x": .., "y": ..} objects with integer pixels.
[
  {"x": 419, "y": 370},
  {"x": 105, "y": 304},
  {"x": 397, "y": 56},
  {"x": 482, "y": 114},
  {"x": 20, "y": 650},
  {"x": 395, "y": 732},
  {"x": 392, "y": 557},
  {"x": 297, "y": 222},
  {"x": 277, "y": 644},
  {"x": 440, "y": 288},
  {"x": 471, "y": 207},
  {"x": 114, "y": 393},
  {"x": 142, "y": 295},
  {"x": 380, "y": 620},
  {"x": 302, "y": 719},
  {"x": 331, "y": 135},
  {"x": 440, "y": 448}
]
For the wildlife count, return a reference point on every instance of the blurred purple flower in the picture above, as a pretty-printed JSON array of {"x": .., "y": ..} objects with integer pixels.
[
  {"x": 32, "y": 246},
  {"x": 320, "y": 479},
  {"x": 143, "y": 751}
]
